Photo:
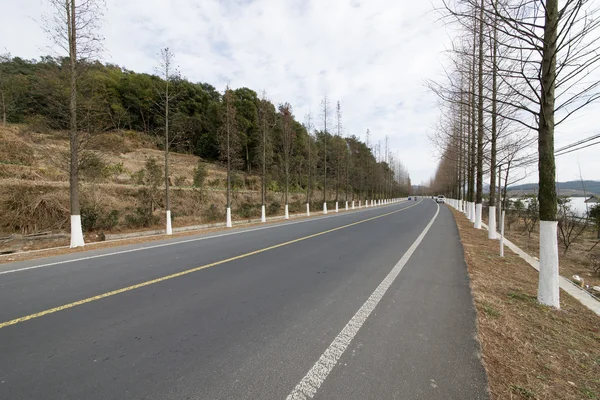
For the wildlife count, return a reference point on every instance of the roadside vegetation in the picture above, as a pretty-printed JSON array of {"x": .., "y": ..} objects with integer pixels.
[
  {"x": 150, "y": 146},
  {"x": 530, "y": 351}
]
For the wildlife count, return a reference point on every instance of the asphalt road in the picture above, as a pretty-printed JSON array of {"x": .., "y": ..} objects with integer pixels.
[{"x": 373, "y": 304}]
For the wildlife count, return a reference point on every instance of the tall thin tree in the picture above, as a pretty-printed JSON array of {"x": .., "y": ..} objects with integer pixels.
[{"x": 74, "y": 27}]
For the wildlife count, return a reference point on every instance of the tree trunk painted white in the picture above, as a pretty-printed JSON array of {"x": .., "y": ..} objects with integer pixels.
[
  {"x": 346, "y": 205},
  {"x": 308, "y": 209},
  {"x": 287, "y": 212},
  {"x": 548, "y": 289},
  {"x": 492, "y": 223},
  {"x": 169, "y": 227},
  {"x": 478, "y": 212},
  {"x": 229, "y": 225},
  {"x": 336, "y": 207},
  {"x": 263, "y": 214},
  {"x": 76, "y": 231},
  {"x": 353, "y": 204},
  {"x": 359, "y": 203},
  {"x": 473, "y": 212},
  {"x": 502, "y": 234},
  {"x": 325, "y": 208}
]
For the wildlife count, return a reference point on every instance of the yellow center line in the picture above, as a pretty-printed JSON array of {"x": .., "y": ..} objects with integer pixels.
[{"x": 186, "y": 272}]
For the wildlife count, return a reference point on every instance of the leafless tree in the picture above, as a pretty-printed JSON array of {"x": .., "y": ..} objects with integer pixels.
[
  {"x": 167, "y": 72},
  {"x": 73, "y": 26}
]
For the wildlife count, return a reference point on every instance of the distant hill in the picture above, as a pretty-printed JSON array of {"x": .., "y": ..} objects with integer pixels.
[{"x": 569, "y": 188}]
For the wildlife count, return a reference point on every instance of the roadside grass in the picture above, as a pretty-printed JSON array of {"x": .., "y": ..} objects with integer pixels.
[
  {"x": 529, "y": 351},
  {"x": 575, "y": 262}
]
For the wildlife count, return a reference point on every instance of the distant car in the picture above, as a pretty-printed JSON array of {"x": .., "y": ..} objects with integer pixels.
[
  {"x": 440, "y": 199},
  {"x": 409, "y": 197}
]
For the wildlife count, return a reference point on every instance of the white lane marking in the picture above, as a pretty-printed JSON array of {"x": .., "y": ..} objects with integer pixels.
[
  {"x": 175, "y": 243},
  {"x": 309, "y": 385}
]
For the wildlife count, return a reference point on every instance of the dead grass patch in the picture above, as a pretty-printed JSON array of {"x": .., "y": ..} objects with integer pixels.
[{"x": 529, "y": 351}]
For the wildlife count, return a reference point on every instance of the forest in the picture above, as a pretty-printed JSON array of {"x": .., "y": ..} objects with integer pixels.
[{"x": 235, "y": 128}]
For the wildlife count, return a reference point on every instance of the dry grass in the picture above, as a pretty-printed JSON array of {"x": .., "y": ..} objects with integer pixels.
[
  {"x": 574, "y": 262},
  {"x": 529, "y": 351}
]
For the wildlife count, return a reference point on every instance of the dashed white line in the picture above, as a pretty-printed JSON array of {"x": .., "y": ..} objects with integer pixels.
[{"x": 308, "y": 386}]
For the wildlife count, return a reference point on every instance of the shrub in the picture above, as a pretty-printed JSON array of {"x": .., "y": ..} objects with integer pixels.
[
  {"x": 92, "y": 167},
  {"x": 97, "y": 219},
  {"x": 212, "y": 213},
  {"x": 248, "y": 210},
  {"x": 200, "y": 174},
  {"x": 143, "y": 217},
  {"x": 274, "y": 208},
  {"x": 237, "y": 182}
]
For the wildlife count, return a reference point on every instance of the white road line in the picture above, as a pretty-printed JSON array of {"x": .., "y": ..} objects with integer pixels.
[
  {"x": 176, "y": 243},
  {"x": 309, "y": 385}
]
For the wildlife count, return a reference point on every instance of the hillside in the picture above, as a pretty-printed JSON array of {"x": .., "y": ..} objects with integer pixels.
[
  {"x": 115, "y": 190},
  {"x": 568, "y": 188}
]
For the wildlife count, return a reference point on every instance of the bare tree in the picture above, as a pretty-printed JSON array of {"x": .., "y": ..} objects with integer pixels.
[
  {"x": 287, "y": 144},
  {"x": 167, "y": 72},
  {"x": 309, "y": 128},
  {"x": 229, "y": 143},
  {"x": 266, "y": 122},
  {"x": 325, "y": 110},
  {"x": 74, "y": 26}
]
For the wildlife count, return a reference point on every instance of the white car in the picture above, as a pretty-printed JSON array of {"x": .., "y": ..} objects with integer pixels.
[{"x": 440, "y": 199}]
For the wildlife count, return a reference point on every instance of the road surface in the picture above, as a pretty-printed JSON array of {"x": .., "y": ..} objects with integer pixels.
[{"x": 372, "y": 304}]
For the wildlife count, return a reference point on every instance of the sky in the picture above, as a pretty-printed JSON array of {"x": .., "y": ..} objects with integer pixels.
[{"x": 373, "y": 56}]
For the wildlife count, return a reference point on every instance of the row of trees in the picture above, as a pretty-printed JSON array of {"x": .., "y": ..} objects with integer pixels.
[
  {"x": 519, "y": 69},
  {"x": 239, "y": 128}
]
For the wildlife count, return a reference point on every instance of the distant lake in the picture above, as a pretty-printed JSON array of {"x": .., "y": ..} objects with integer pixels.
[{"x": 577, "y": 204}]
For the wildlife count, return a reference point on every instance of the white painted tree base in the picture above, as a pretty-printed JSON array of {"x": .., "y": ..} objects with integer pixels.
[
  {"x": 263, "y": 214},
  {"x": 228, "y": 223},
  {"x": 287, "y": 212},
  {"x": 472, "y": 211},
  {"x": 492, "y": 223},
  {"x": 502, "y": 233},
  {"x": 359, "y": 203},
  {"x": 307, "y": 209},
  {"x": 346, "y": 206},
  {"x": 76, "y": 232},
  {"x": 336, "y": 207},
  {"x": 169, "y": 226},
  {"x": 478, "y": 212},
  {"x": 548, "y": 284},
  {"x": 353, "y": 204},
  {"x": 324, "y": 208}
]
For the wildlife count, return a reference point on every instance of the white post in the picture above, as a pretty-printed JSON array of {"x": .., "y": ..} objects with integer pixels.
[
  {"x": 76, "y": 232},
  {"x": 478, "y": 211},
  {"x": 307, "y": 209},
  {"x": 346, "y": 205},
  {"x": 502, "y": 234},
  {"x": 492, "y": 223},
  {"x": 229, "y": 225},
  {"x": 548, "y": 289},
  {"x": 263, "y": 214},
  {"x": 169, "y": 227},
  {"x": 336, "y": 207},
  {"x": 287, "y": 212},
  {"x": 324, "y": 207}
]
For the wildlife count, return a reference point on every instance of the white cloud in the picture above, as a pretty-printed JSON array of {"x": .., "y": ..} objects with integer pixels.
[{"x": 373, "y": 56}]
